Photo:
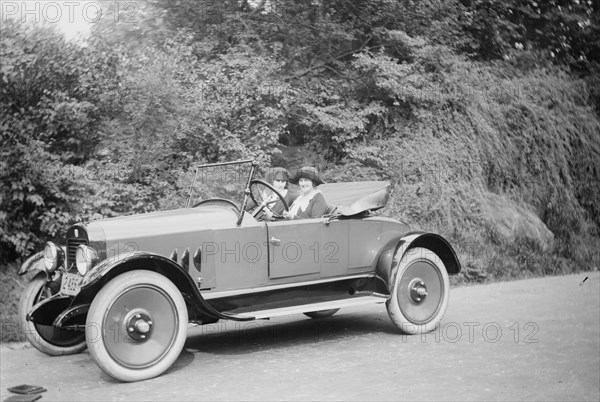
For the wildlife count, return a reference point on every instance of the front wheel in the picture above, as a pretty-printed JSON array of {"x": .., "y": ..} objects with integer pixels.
[
  {"x": 137, "y": 326},
  {"x": 46, "y": 338},
  {"x": 421, "y": 291}
]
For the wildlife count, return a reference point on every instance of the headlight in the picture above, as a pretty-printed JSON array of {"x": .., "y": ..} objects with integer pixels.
[
  {"x": 54, "y": 256},
  {"x": 85, "y": 257}
]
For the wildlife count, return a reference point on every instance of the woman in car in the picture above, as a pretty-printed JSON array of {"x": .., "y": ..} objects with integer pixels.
[
  {"x": 310, "y": 202},
  {"x": 280, "y": 177}
]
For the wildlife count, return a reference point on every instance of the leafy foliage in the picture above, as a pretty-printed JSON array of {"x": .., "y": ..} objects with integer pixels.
[
  {"x": 447, "y": 99},
  {"x": 50, "y": 105}
]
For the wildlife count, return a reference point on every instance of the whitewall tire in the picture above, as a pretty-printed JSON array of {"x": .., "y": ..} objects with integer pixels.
[
  {"x": 137, "y": 325},
  {"x": 420, "y": 292}
]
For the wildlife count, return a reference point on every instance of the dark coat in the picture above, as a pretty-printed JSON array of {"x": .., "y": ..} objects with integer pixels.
[
  {"x": 277, "y": 208},
  {"x": 316, "y": 208},
  {"x": 290, "y": 197}
]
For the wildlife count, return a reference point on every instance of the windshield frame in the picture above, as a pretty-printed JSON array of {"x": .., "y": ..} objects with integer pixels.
[{"x": 253, "y": 167}]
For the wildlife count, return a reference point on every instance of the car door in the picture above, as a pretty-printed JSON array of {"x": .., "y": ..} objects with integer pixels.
[
  {"x": 307, "y": 247},
  {"x": 291, "y": 248},
  {"x": 239, "y": 256}
]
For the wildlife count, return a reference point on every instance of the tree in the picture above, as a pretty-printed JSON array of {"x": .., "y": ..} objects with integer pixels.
[{"x": 52, "y": 95}]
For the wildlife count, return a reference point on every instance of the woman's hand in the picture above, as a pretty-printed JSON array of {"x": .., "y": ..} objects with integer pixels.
[
  {"x": 287, "y": 215},
  {"x": 268, "y": 214}
]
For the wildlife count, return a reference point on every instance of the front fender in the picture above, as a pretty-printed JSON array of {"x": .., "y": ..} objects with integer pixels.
[
  {"x": 396, "y": 248},
  {"x": 36, "y": 263},
  {"x": 33, "y": 264},
  {"x": 99, "y": 275},
  {"x": 43, "y": 313}
]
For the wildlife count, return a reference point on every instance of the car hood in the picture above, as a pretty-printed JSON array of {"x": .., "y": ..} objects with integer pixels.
[
  {"x": 163, "y": 223},
  {"x": 170, "y": 222},
  {"x": 158, "y": 232}
]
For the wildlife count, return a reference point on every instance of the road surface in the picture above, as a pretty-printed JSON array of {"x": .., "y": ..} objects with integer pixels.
[{"x": 535, "y": 339}]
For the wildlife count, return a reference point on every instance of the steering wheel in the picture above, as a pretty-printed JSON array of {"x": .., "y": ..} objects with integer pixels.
[{"x": 257, "y": 195}]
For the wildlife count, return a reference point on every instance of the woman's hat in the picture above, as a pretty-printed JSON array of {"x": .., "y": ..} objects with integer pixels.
[
  {"x": 280, "y": 173},
  {"x": 307, "y": 172}
]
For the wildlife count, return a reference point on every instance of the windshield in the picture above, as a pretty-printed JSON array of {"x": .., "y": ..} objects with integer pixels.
[
  {"x": 220, "y": 180},
  {"x": 225, "y": 180}
]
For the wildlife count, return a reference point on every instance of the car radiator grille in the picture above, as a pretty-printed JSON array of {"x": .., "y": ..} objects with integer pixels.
[{"x": 72, "y": 244}]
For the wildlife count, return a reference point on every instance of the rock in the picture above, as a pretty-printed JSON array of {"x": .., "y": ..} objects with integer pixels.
[{"x": 513, "y": 221}]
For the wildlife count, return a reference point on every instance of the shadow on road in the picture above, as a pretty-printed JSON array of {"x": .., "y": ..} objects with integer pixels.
[{"x": 231, "y": 338}]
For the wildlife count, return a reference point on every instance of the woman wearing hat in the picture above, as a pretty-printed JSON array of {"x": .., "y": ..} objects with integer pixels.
[
  {"x": 310, "y": 202},
  {"x": 280, "y": 177}
]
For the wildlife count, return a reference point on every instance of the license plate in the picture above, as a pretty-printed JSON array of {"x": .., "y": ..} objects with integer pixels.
[{"x": 70, "y": 284}]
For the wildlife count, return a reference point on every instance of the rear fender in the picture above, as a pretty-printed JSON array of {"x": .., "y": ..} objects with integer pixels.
[{"x": 397, "y": 248}]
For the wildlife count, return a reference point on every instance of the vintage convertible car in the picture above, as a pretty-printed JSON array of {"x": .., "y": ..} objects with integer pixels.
[{"x": 127, "y": 288}]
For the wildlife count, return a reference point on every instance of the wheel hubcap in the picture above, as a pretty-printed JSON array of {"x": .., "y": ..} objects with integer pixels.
[
  {"x": 139, "y": 326},
  {"x": 420, "y": 292},
  {"x": 139, "y": 337}
]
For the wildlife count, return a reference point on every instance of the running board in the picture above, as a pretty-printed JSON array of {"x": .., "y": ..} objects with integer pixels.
[{"x": 306, "y": 308}]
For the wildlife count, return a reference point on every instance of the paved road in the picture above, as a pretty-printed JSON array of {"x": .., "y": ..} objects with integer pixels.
[{"x": 524, "y": 340}]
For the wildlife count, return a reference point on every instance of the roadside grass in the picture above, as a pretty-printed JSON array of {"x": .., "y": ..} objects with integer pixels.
[{"x": 11, "y": 286}]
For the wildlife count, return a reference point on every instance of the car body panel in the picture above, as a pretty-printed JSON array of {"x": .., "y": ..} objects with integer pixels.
[
  {"x": 241, "y": 256},
  {"x": 255, "y": 255},
  {"x": 294, "y": 247},
  {"x": 162, "y": 232}
]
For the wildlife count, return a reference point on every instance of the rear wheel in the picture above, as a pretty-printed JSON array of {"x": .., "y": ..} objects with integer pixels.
[
  {"x": 137, "y": 326},
  {"x": 46, "y": 338},
  {"x": 322, "y": 313},
  {"x": 421, "y": 291}
]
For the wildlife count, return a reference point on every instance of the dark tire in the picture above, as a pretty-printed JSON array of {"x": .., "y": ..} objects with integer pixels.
[
  {"x": 322, "y": 313},
  {"x": 137, "y": 326},
  {"x": 46, "y": 338},
  {"x": 420, "y": 293}
]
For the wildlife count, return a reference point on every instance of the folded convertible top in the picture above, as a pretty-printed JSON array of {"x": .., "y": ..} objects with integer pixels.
[{"x": 352, "y": 198}]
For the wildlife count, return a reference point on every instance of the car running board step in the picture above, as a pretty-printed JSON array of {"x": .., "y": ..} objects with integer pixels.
[{"x": 306, "y": 308}]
